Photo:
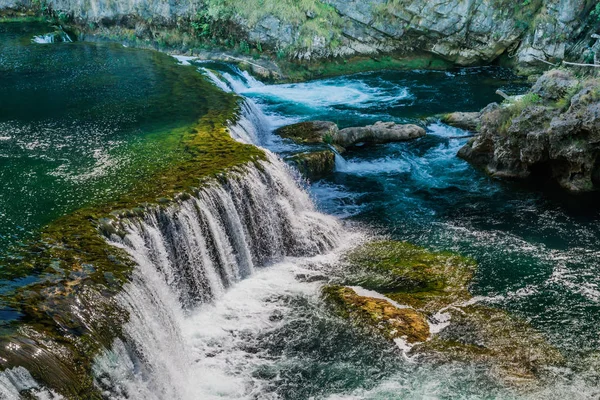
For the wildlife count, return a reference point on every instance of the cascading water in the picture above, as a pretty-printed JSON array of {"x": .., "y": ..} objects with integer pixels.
[
  {"x": 14, "y": 382},
  {"x": 188, "y": 255},
  {"x": 252, "y": 126}
]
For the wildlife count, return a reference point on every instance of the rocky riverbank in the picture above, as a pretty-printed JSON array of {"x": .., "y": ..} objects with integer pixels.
[
  {"x": 462, "y": 33},
  {"x": 552, "y": 132}
]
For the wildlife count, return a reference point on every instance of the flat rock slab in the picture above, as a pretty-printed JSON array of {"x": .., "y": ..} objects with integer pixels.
[{"x": 379, "y": 133}]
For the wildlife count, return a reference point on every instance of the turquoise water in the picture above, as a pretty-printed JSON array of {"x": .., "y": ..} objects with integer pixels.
[{"x": 537, "y": 248}]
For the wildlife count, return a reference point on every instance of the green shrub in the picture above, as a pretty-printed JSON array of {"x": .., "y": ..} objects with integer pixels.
[
  {"x": 244, "y": 47},
  {"x": 595, "y": 13}
]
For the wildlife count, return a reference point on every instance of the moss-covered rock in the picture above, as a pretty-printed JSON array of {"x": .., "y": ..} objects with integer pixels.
[
  {"x": 314, "y": 165},
  {"x": 309, "y": 132},
  {"x": 410, "y": 274},
  {"x": 432, "y": 287},
  {"x": 516, "y": 351},
  {"x": 387, "y": 319}
]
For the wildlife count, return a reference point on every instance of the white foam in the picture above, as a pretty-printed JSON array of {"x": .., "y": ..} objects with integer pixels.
[
  {"x": 376, "y": 295},
  {"x": 43, "y": 39},
  {"x": 382, "y": 165},
  {"x": 184, "y": 60},
  {"x": 329, "y": 93}
]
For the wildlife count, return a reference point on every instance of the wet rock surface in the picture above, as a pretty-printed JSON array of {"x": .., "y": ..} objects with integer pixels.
[
  {"x": 387, "y": 319},
  {"x": 424, "y": 300},
  {"x": 552, "y": 132},
  {"x": 314, "y": 165}
]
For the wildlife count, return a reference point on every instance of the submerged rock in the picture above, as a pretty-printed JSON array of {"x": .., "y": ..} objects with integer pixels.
[
  {"x": 390, "y": 321},
  {"x": 411, "y": 275},
  {"x": 308, "y": 132},
  {"x": 379, "y": 133},
  {"x": 425, "y": 300},
  {"x": 314, "y": 165},
  {"x": 516, "y": 352},
  {"x": 552, "y": 132}
]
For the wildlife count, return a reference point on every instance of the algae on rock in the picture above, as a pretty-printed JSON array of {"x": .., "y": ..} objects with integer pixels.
[{"x": 432, "y": 288}]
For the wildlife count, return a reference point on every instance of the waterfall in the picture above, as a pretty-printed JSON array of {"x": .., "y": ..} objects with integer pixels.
[
  {"x": 340, "y": 162},
  {"x": 189, "y": 254},
  {"x": 237, "y": 81},
  {"x": 253, "y": 127},
  {"x": 15, "y": 381}
]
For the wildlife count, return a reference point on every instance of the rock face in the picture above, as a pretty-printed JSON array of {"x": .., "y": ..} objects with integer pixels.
[
  {"x": 465, "y": 32},
  {"x": 314, "y": 165},
  {"x": 380, "y": 132},
  {"x": 308, "y": 132},
  {"x": 554, "y": 131}
]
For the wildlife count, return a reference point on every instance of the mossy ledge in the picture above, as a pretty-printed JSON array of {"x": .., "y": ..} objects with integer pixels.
[
  {"x": 70, "y": 313},
  {"x": 432, "y": 286}
]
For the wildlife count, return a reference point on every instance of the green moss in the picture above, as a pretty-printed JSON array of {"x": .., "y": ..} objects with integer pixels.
[{"x": 410, "y": 274}]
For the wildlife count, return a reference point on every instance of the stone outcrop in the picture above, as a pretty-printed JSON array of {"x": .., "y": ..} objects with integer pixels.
[
  {"x": 379, "y": 133},
  {"x": 553, "y": 132},
  {"x": 314, "y": 165},
  {"x": 308, "y": 132},
  {"x": 464, "y": 32},
  {"x": 427, "y": 303},
  {"x": 328, "y": 132}
]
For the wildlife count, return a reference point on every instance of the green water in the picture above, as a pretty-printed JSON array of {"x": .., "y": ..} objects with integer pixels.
[{"x": 82, "y": 123}]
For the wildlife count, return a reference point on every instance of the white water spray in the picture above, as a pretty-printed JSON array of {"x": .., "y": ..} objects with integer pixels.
[{"x": 190, "y": 253}]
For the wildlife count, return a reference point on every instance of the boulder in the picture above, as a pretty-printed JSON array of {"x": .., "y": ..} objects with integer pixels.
[
  {"x": 552, "y": 133},
  {"x": 308, "y": 132},
  {"x": 314, "y": 165},
  {"x": 379, "y": 133},
  {"x": 468, "y": 121},
  {"x": 555, "y": 84}
]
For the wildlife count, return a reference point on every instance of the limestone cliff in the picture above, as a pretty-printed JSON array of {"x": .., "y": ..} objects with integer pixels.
[{"x": 465, "y": 32}]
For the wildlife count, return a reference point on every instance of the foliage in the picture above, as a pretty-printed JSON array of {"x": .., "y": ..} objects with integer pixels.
[{"x": 595, "y": 13}]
